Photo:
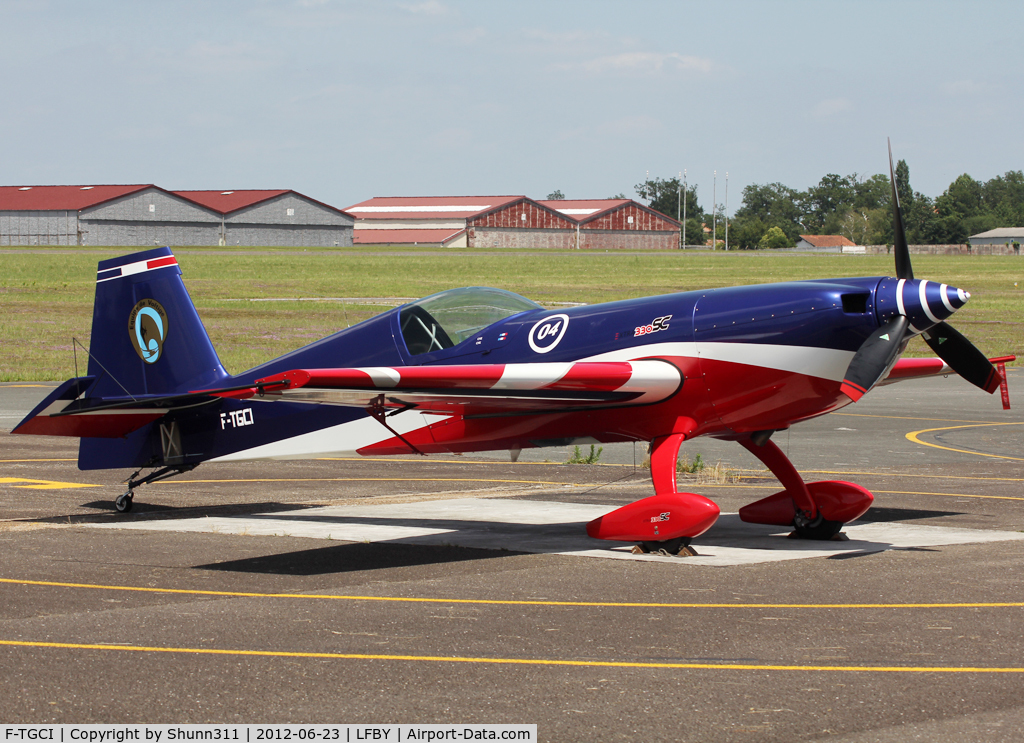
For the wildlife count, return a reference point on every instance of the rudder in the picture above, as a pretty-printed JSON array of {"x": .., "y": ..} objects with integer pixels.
[{"x": 147, "y": 338}]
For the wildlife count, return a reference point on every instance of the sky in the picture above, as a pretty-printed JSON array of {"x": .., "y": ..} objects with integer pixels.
[{"x": 343, "y": 100}]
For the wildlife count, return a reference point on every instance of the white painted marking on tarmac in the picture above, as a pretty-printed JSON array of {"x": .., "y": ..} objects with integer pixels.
[{"x": 544, "y": 527}]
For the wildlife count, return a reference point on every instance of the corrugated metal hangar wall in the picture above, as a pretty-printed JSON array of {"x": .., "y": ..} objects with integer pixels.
[
  {"x": 149, "y": 215},
  {"x": 289, "y": 219}
]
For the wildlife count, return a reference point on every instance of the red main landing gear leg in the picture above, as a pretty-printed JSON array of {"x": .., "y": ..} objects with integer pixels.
[
  {"x": 664, "y": 455},
  {"x": 773, "y": 458},
  {"x": 795, "y": 505},
  {"x": 668, "y": 520},
  {"x": 816, "y": 510}
]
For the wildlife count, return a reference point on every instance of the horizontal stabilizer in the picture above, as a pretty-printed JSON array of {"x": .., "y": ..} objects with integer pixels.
[{"x": 65, "y": 412}]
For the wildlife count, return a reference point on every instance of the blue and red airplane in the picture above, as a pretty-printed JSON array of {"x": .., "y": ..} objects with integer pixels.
[{"x": 479, "y": 369}]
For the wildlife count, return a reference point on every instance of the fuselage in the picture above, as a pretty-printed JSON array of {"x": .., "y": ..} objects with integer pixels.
[{"x": 752, "y": 358}]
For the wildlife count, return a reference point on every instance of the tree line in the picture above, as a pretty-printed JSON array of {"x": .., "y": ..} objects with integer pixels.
[{"x": 774, "y": 215}]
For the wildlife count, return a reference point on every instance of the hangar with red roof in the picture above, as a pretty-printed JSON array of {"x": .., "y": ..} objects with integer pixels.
[
  {"x": 145, "y": 214},
  {"x": 150, "y": 215},
  {"x": 512, "y": 222}
]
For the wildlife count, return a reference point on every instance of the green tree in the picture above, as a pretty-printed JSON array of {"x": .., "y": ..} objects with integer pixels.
[
  {"x": 774, "y": 238},
  {"x": 665, "y": 196},
  {"x": 921, "y": 221},
  {"x": 872, "y": 193},
  {"x": 770, "y": 205},
  {"x": 1004, "y": 196},
  {"x": 962, "y": 199},
  {"x": 855, "y": 225},
  {"x": 694, "y": 230},
  {"x": 880, "y": 226},
  {"x": 556, "y": 195},
  {"x": 827, "y": 202},
  {"x": 903, "y": 190},
  {"x": 746, "y": 233}
]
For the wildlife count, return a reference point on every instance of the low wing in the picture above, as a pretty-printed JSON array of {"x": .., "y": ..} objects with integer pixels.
[
  {"x": 921, "y": 368},
  {"x": 482, "y": 389},
  {"x": 467, "y": 390}
]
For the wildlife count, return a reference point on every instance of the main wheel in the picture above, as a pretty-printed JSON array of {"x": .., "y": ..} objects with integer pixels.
[
  {"x": 123, "y": 503},
  {"x": 820, "y": 529}
]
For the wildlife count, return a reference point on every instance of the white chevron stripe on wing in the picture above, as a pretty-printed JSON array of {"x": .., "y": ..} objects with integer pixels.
[{"x": 531, "y": 376}]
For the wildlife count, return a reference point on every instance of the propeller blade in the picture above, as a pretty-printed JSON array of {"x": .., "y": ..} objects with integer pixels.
[
  {"x": 874, "y": 357},
  {"x": 962, "y": 356},
  {"x": 899, "y": 235}
]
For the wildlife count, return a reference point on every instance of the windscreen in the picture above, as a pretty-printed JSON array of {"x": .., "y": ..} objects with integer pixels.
[{"x": 446, "y": 319}]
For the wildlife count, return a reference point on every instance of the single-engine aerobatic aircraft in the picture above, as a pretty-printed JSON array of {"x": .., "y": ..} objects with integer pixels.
[{"x": 479, "y": 369}]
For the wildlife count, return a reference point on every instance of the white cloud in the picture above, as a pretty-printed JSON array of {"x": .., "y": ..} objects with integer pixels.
[
  {"x": 968, "y": 88},
  {"x": 832, "y": 107},
  {"x": 646, "y": 62},
  {"x": 426, "y": 7},
  {"x": 560, "y": 38},
  {"x": 241, "y": 56},
  {"x": 639, "y": 126}
]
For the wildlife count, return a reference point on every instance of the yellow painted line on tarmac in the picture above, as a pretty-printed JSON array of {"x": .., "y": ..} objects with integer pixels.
[
  {"x": 42, "y": 484},
  {"x": 508, "y": 661},
  {"x": 902, "y": 474},
  {"x": 753, "y": 473},
  {"x": 530, "y": 482},
  {"x": 914, "y": 436},
  {"x": 712, "y": 486},
  {"x": 14, "y": 461},
  {"x": 504, "y": 602},
  {"x": 912, "y": 418},
  {"x": 29, "y": 385},
  {"x": 949, "y": 495},
  {"x": 426, "y": 459},
  {"x": 367, "y": 479}
]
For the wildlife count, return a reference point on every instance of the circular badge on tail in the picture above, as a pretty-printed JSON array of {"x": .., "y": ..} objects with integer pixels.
[{"x": 147, "y": 328}]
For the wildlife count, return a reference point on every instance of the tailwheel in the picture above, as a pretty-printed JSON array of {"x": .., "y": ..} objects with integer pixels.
[
  {"x": 123, "y": 503},
  {"x": 818, "y": 528}
]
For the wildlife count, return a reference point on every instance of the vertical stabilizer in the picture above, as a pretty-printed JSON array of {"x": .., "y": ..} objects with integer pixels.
[{"x": 147, "y": 338}]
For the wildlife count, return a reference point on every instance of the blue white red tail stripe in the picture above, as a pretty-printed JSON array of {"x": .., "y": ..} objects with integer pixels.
[{"x": 131, "y": 269}]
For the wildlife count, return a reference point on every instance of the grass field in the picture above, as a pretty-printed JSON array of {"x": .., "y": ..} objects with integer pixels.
[{"x": 46, "y": 295}]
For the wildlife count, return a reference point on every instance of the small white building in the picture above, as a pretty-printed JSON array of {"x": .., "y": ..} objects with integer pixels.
[
  {"x": 999, "y": 236},
  {"x": 828, "y": 244}
]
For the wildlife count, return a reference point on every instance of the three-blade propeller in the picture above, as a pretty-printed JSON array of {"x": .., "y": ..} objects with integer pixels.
[{"x": 879, "y": 352}]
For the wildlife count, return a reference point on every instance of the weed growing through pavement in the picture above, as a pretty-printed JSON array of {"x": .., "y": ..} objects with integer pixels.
[
  {"x": 702, "y": 472},
  {"x": 691, "y": 468},
  {"x": 578, "y": 457}
]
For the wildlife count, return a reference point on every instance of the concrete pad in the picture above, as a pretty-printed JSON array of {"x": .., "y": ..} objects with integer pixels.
[{"x": 558, "y": 528}]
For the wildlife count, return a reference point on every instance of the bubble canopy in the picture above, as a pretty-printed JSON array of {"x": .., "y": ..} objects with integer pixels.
[{"x": 447, "y": 318}]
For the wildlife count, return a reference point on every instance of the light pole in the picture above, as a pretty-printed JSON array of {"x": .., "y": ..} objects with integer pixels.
[
  {"x": 727, "y": 210},
  {"x": 684, "y": 210},
  {"x": 714, "y": 211},
  {"x": 678, "y": 200}
]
